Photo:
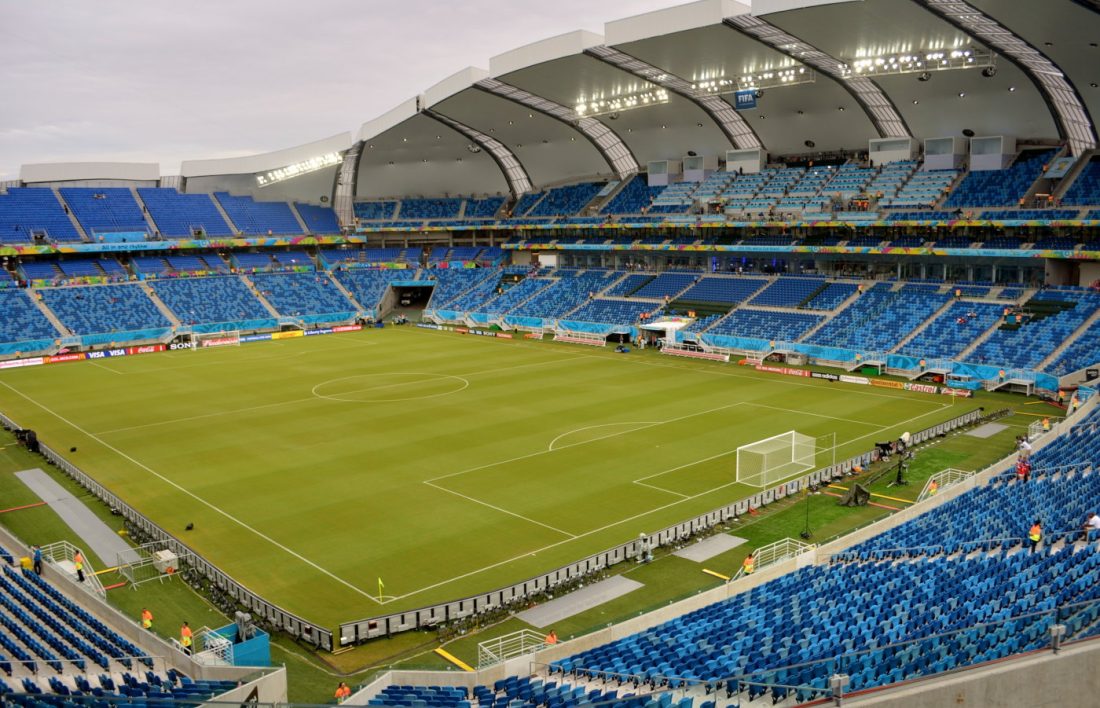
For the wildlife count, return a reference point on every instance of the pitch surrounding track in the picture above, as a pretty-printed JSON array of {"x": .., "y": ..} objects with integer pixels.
[{"x": 444, "y": 465}]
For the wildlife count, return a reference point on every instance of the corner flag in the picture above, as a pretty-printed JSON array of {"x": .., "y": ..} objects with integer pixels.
[{"x": 381, "y": 587}]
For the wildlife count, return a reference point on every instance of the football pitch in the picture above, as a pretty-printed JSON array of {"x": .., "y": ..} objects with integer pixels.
[{"x": 444, "y": 465}]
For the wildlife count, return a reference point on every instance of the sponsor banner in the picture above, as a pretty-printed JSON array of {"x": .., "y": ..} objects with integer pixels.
[
  {"x": 783, "y": 370},
  {"x": 265, "y": 337},
  {"x": 347, "y": 328},
  {"x": 959, "y": 392},
  {"x": 862, "y": 380},
  {"x": 888, "y": 384},
  {"x": 462, "y": 330},
  {"x": 922, "y": 388},
  {"x": 105, "y": 353},
  {"x": 59, "y": 358},
  {"x": 426, "y": 325},
  {"x": 291, "y": 334},
  {"x": 20, "y": 363},
  {"x": 179, "y": 345},
  {"x": 504, "y": 335},
  {"x": 315, "y": 332},
  {"x": 532, "y": 335},
  {"x": 223, "y": 341},
  {"x": 146, "y": 349},
  {"x": 823, "y": 375}
]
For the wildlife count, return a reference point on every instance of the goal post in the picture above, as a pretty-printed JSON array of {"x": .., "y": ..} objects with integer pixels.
[
  {"x": 771, "y": 460},
  {"x": 205, "y": 340}
]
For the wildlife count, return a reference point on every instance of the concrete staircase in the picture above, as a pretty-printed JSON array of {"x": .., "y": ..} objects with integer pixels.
[
  {"x": 1069, "y": 340},
  {"x": 76, "y": 224},
  {"x": 259, "y": 296},
  {"x": 145, "y": 212},
  {"x": 298, "y": 217},
  {"x": 922, "y": 326},
  {"x": 830, "y": 314},
  {"x": 225, "y": 215},
  {"x": 345, "y": 291},
  {"x": 164, "y": 309},
  {"x": 61, "y": 328}
]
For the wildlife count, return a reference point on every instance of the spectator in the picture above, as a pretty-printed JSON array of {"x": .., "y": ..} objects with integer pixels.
[
  {"x": 1091, "y": 528},
  {"x": 38, "y": 560},
  {"x": 343, "y": 692},
  {"x": 552, "y": 637}
]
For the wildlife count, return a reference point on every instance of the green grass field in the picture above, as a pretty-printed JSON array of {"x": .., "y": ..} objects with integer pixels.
[{"x": 445, "y": 465}]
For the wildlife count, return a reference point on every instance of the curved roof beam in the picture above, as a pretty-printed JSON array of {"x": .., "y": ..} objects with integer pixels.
[
  {"x": 618, "y": 156},
  {"x": 1069, "y": 110},
  {"x": 518, "y": 179},
  {"x": 347, "y": 180},
  {"x": 866, "y": 92},
  {"x": 733, "y": 125}
]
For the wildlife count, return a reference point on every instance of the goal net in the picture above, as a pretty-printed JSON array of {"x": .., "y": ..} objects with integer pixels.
[
  {"x": 206, "y": 340},
  {"x": 770, "y": 461}
]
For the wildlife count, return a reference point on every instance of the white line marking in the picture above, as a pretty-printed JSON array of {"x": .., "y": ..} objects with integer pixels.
[
  {"x": 105, "y": 368},
  {"x": 623, "y": 521},
  {"x": 369, "y": 389},
  {"x": 686, "y": 465},
  {"x": 660, "y": 489},
  {"x": 582, "y": 442},
  {"x": 501, "y": 510},
  {"x": 818, "y": 415},
  {"x": 191, "y": 494},
  {"x": 235, "y": 411},
  {"x": 550, "y": 447}
]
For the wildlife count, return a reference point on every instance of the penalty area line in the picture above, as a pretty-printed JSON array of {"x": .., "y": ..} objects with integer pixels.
[
  {"x": 619, "y": 522},
  {"x": 191, "y": 494},
  {"x": 497, "y": 508}
]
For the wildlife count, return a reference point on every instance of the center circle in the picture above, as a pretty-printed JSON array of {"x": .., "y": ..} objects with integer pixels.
[{"x": 389, "y": 387}]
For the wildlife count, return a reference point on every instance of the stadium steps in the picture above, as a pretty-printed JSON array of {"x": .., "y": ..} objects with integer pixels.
[
  {"x": 533, "y": 205},
  {"x": 225, "y": 215},
  {"x": 61, "y": 328},
  {"x": 922, "y": 326},
  {"x": 340, "y": 286},
  {"x": 598, "y": 203},
  {"x": 1038, "y": 182},
  {"x": 298, "y": 218},
  {"x": 820, "y": 289},
  {"x": 829, "y": 315},
  {"x": 1074, "y": 173},
  {"x": 1053, "y": 356},
  {"x": 652, "y": 278},
  {"x": 69, "y": 212},
  {"x": 961, "y": 356},
  {"x": 612, "y": 284},
  {"x": 950, "y": 189},
  {"x": 259, "y": 296},
  {"x": 144, "y": 212},
  {"x": 164, "y": 309}
]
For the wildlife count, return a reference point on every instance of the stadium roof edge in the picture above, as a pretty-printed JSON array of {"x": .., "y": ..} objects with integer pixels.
[
  {"x": 251, "y": 164},
  {"x": 671, "y": 19},
  {"x": 390, "y": 119},
  {"x": 767, "y": 7},
  {"x": 542, "y": 51},
  {"x": 455, "y": 83},
  {"x": 72, "y": 171}
]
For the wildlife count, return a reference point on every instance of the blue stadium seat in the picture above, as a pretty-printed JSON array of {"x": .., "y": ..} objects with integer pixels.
[
  {"x": 180, "y": 215},
  {"x": 259, "y": 218},
  {"x": 27, "y": 210},
  {"x": 103, "y": 210}
]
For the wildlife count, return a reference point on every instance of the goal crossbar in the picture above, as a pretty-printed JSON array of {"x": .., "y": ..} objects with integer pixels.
[{"x": 771, "y": 460}]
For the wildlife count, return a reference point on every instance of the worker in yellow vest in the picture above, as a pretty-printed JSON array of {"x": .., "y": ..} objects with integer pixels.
[
  {"x": 748, "y": 565},
  {"x": 933, "y": 487},
  {"x": 1035, "y": 534},
  {"x": 1046, "y": 425},
  {"x": 146, "y": 618},
  {"x": 185, "y": 638},
  {"x": 78, "y": 563}
]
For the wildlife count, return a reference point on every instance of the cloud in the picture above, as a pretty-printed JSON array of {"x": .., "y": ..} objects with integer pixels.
[{"x": 157, "y": 82}]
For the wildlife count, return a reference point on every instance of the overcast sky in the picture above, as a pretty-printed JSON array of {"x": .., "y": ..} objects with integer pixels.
[{"x": 164, "y": 82}]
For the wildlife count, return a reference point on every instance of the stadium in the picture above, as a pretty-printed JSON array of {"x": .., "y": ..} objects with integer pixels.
[{"x": 735, "y": 356}]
